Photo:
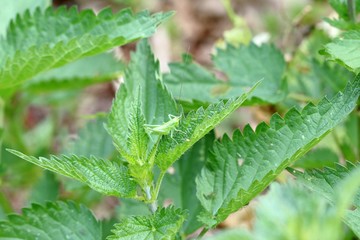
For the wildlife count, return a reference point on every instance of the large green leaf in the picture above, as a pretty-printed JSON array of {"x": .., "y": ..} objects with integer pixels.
[
  {"x": 345, "y": 50},
  {"x": 189, "y": 81},
  {"x": 238, "y": 170},
  {"x": 141, "y": 79},
  {"x": 48, "y": 39},
  {"x": 86, "y": 71},
  {"x": 54, "y": 221},
  {"x": 107, "y": 177},
  {"x": 195, "y": 126},
  {"x": 325, "y": 183},
  {"x": 164, "y": 224},
  {"x": 243, "y": 67},
  {"x": 144, "y": 72}
]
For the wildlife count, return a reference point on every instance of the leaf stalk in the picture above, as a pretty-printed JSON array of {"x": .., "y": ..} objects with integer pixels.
[
  {"x": 202, "y": 233},
  {"x": 351, "y": 4}
]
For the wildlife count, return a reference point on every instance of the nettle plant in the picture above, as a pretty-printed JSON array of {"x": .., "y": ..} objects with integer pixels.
[{"x": 153, "y": 133}]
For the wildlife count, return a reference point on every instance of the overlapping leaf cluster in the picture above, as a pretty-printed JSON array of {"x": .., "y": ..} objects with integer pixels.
[
  {"x": 42, "y": 40},
  {"x": 240, "y": 169},
  {"x": 234, "y": 171},
  {"x": 243, "y": 66}
]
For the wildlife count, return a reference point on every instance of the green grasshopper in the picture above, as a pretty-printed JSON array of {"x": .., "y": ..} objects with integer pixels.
[{"x": 165, "y": 128}]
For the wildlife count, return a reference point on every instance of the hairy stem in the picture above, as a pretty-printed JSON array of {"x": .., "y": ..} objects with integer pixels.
[
  {"x": 352, "y": 10},
  {"x": 153, "y": 203}
]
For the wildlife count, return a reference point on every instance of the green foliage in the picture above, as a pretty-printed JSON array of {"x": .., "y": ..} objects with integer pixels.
[
  {"x": 33, "y": 41},
  {"x": 86, "y": 71},
  {"x": 238, "y": 170},
  {"x": 193, "y": 127},
  {"x": 318, "y": 158},
  {"x": 292, "y": 212},
  {"x": 246, "y": 64},
  {"x": 346, "y": 14},
  {"x": 142, "y": 100},
  {"x": 131, "y": 112},
  {"x": 160, "y": 155},
  {"x": 164, "y": 224},
  {"x": 46, "y": 189},
  {"x": 107, "y": 177},
  {"x": 180, "y": 186},
  {"x": 324, "y": 182},
  {"x": 54, "y": 221},
  {"x": 243, "y": 67},
  {"x": 142, "y": 82},
  {"x": 345, "y": 50},
  {"x": 341, "y": 7}
]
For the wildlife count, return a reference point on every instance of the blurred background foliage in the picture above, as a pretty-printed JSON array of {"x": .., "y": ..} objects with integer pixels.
[{"x": 62, "y": 111}]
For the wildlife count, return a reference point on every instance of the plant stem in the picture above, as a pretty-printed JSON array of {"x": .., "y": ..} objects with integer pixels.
[
  {"x": 352, "y": 10},
  {"x": 152, "y": 204},
  {"x": 158, "y": 183},
  {"x": 229, "y": 10},
  {"x": 202, "y": 233},
  {"x": 2, "y": 109}
]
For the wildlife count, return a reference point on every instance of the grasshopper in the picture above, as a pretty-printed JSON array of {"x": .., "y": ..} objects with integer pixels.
[{"x": 165, "y": 128}]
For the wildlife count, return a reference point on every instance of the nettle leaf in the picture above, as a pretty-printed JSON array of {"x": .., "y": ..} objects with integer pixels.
[
  {"x": 117, "y": 125},
  {"x": 163, "y": 224},
  {"x": 54, "y": 221},
  {"x": 193, "y": 127},
  {"x": 326, "y": 183},
  {"x": 47, "y": 39},
  {"x": 84, "y": 72},
  {"x": 104, "y": 176},
  {"x": 318, "y": 158},
  {"x": 345, "y": 50},
  {"x": 138, "y": 139},
  {"x": 180, "y": 186},
  {"x": 141, "y": 75},
  {"x": 240, "y": 169},
  {"x": 144, "y": 72},
  {"x": 189, "y": 81},
  {"x": 243, "y": 67},
  {"x": 322, "y": 79}
]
